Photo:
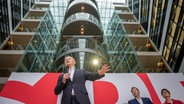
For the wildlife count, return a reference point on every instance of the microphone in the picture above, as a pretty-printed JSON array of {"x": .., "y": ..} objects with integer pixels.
[
  {"x": 65, "y": 69},
  {"x": 66, "y": 73}
]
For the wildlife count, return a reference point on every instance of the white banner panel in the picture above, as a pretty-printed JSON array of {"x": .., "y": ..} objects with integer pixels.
[{"x": 114, "y": 88}]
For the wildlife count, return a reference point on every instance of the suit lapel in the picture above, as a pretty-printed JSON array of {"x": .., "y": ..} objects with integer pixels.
[
  {"x": 74, "y": 74},
  {"x": 136, "y": 102},
  {"x": 143, "y": 100}
]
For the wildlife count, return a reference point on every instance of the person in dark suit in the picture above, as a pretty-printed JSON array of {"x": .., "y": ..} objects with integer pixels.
[
  {"x": 137, "y": 98},
  {"x": 72, "y": 83}
]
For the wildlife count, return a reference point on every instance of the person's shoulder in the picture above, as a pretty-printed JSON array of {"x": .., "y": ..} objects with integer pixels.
[
  {"x": 79, "y": 70},
  {"x": 145, "y": 98},
  {"x": 131, "y": 100},
  {"x": 148, "y": 100},
  {"x": 177, "y": 101}
]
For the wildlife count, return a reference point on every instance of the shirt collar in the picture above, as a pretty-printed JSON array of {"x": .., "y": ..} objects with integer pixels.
[
  {"x": 72, "y": 68},
  {"x": 139, "y": 100}
]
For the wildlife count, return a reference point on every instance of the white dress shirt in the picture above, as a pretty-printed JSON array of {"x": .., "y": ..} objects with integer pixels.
[
  {"x": 71, "y": 72},
  {"x": 140, "y": 101}
]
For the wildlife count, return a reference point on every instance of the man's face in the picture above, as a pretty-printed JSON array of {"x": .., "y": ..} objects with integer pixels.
[
  {"x": 135, "y": 92},
  {"x": 69, "y": 61}
]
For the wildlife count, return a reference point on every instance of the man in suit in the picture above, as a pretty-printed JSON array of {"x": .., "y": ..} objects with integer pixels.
[
  {"x": 72, "y": 83},
  {"x": 137, "y": 99}
]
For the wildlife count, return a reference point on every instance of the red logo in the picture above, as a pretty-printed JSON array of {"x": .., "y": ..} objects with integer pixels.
[{"x": 41, "y": 93}]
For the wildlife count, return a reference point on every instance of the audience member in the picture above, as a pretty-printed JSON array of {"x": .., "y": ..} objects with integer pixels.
[
  {"x": 137, "y": 98},
  {"x": 167, "y": 96}
]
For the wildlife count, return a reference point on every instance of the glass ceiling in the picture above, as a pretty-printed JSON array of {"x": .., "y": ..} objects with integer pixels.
[{"x": 106, "y": 9}]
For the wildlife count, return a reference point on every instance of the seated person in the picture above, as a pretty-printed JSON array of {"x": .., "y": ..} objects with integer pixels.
[
  {"x": 137, "y": 99},
  {"x": 168, "y": 100}
]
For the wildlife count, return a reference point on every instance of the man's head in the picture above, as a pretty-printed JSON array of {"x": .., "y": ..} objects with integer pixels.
[
  {"x": 69, "y": 61},
  {"x": 165, "y": 93},
  {"x": 135, "y": 92}
]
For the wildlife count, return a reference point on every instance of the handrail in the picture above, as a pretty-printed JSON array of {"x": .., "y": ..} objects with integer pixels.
[{"x": 82, "y": 16}]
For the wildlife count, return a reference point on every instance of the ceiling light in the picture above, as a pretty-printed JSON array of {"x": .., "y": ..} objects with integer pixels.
[
  {"x": 81, "y": 62},
  {"x": 82, "y": 7},
  {"x": 148, "y": 45},
  {"x": 11, "y": 43},
  {"x": 160, "y": 64},
  {"x": 81, "y": 58},
  {"x": 82, "y": 29}
]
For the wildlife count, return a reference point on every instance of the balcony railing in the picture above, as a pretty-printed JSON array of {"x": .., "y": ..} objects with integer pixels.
[
  {"x": 84, "y": 2},
  {"x": 82, "y": 16}
]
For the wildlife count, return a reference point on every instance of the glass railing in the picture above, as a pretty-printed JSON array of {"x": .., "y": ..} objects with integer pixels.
[
  {"x": 82, "y": 1},
  {"x": 123, "y": 11},
  {"x": 39, "y": 53},
  {"x": 121, "y": 52},
  {"x": 15, "y": 47},
  {"x": 73, "y": 43},
  {"x": 82, "y": 16},
  {"x": 128, "y": 20},
  {"x": 33, "y": 17},
  {"x": 135, "y": 32},
  {"x": 144, "y": 49},
  {"x": 88, "y": 46},
  {"x": 26, "y": 30},
  {"x": 39, "y": 8},
  {"x": 158, "y": 70}
]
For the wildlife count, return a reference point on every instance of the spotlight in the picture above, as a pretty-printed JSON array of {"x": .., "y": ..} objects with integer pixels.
[
  {"x": 95, "y": 61},
  {"x": 82, "y": 7}
]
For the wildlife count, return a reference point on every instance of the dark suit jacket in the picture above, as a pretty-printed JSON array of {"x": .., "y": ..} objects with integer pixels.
[
  {"x": 78, "y": 84},
  {"x": 145, "y": 101}
]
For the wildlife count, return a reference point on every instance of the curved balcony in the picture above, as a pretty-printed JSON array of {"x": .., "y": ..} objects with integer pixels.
[
  {"x": 86, "y": 6},
  {"x": 94, "y": 1},
  {"x": 84, "y": 50},
  {"x": 91, "y": 25},
  {"x": 73, "y": 43}
]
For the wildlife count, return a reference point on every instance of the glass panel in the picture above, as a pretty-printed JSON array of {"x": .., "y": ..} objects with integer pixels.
[
  {"x": 178, "y": 9},
  {"x": 174, "y": 34},
  {"x": 39, "y": 54},
  {"x": 173, "y": 29},
  {"x": 169, "y": 41},
  {"x": 166, "y": 53},
  {"x": 180, "y": 3},
  {"x": 181, "y": 37},
  {"x": 177, "y": 52}
]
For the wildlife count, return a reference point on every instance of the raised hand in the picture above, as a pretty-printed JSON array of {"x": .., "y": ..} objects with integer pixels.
[{"x": 104, "y": 69}]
